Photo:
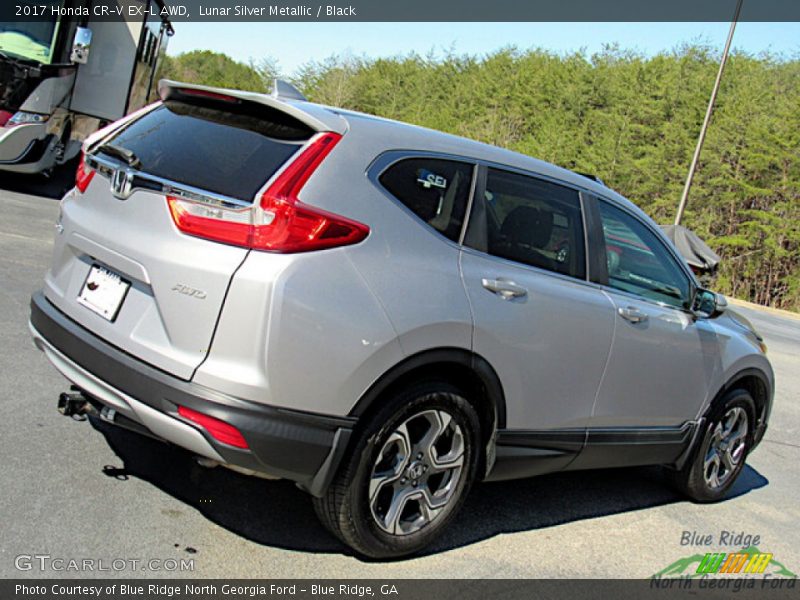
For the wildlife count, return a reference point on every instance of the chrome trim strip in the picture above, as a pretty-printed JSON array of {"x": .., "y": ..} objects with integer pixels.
[{"x": 106, "y": 168}]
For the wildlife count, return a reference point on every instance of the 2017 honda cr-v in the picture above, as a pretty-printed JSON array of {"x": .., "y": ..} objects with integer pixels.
[{"x": 383, "y": 313}]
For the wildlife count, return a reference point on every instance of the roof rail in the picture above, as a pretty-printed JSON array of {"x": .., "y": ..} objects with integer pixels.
[
  {"x": 592, "y": 177},
  {"x": 285, "y": 90}
]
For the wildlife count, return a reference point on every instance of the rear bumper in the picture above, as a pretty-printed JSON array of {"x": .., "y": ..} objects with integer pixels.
[{"x": 305, "y": 448}]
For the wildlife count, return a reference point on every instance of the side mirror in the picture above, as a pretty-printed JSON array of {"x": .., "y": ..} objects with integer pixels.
[
  {"x": 81, "y": 44},
  {"x": 708, "y": 304}
]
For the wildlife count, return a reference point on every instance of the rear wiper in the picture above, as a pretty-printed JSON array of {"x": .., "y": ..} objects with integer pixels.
[{"x": 128, "y": 156}]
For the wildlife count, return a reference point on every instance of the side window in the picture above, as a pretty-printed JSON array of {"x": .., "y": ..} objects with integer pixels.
[
  {"x": 435, "y": 190},
  {"x": 638, "y": 262},
  {"x": 534, "y": 222}
]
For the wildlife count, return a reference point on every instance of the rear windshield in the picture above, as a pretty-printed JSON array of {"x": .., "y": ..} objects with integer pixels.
[{"x": 221, "y": 152}]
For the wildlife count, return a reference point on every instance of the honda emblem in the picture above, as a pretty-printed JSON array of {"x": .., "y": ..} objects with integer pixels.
[{"x": 121, "y": 183}]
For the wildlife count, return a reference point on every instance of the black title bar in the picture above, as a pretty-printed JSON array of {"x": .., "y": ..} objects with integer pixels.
[{"x": 410, "y": 10}]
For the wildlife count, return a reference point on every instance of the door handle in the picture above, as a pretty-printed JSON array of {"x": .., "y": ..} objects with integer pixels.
[
  {"x": 507, "y": 290},
  {"x": 634, "y": 315}
]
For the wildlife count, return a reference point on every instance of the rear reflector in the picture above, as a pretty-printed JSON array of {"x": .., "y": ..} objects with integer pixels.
[
  {"x": 280, "y": 222},
  {"x": 84, "y": 174},
  {"x": 219, "y": 430}
]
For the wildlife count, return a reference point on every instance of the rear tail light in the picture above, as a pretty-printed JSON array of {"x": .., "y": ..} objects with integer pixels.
[
  {"x": 219, "y": 430},
  {"x": 280, "y": 222},
  {"x": 84, "y": 174},
  {"x": 4, "y": 117}
]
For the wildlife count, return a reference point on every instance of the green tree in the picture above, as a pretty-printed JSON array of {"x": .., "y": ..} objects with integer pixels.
[{"x": 215, "y": 69}]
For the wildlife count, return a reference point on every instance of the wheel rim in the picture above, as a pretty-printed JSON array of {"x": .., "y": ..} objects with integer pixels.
[
  {"x": 417, "y": 472},
  {"x": 726, "y": 451}
]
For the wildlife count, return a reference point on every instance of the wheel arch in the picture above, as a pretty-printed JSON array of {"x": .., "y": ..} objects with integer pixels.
[
  {"x": 758, "y": 385},
  {"x": 469, "y": 372}
]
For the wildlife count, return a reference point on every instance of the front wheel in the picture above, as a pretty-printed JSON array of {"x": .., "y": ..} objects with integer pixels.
[
  {"x": 720, "y": 457},
  {"x": 408, "y": 473}
]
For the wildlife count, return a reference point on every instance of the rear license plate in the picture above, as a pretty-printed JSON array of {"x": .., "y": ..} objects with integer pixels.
[{"x": 103, "y": 292}]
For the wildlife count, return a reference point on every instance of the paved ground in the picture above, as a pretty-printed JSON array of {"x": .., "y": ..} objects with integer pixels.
[{"x": 70, "y": 492}]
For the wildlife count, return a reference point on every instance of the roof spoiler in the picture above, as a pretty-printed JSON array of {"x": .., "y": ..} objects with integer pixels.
[{"x": 284, "y": 98}]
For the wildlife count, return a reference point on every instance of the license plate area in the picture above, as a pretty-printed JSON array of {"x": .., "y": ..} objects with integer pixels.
[{"x": 103, "y": 292}]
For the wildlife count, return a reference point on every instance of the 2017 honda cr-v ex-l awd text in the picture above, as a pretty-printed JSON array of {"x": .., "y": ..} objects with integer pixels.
[{"x": 383, "y": 314}]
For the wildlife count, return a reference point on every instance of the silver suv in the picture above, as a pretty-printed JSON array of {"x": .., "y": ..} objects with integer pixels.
[{"x": 383, "y": 314}]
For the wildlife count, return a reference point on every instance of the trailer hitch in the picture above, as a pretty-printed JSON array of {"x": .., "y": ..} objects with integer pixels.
[{"x": 74, "y": 404}]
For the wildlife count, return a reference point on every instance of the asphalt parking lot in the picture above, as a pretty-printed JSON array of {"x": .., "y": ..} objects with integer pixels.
[{"x": 73, "y": 492}]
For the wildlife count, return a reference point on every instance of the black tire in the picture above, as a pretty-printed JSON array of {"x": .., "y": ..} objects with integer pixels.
[
  {"x": 345, "y": 509},
  {"x": 692, "y": 480}
]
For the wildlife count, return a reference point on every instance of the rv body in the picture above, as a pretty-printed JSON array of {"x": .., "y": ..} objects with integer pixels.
[{"x": 64, "y": 78}]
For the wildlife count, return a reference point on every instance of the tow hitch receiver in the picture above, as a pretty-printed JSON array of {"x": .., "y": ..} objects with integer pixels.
[
  {"x": 73, "y": 404},
  {"x": 78, "y": 405}
]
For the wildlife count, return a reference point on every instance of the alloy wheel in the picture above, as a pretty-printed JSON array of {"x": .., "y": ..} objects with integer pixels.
[
  {"x": 416, "y": 472},
  {"x": 727, "y": 448}
]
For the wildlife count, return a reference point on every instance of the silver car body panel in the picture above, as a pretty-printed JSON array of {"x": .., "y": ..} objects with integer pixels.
[
  {"x": 159, "y": 325},
  {"x": 301, "y": 331},
  {"x": 637, "y": 373},
  {"x": 549, "y": 347}
]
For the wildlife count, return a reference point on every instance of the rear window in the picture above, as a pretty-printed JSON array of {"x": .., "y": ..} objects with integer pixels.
[{"x": 221, "y": 152}]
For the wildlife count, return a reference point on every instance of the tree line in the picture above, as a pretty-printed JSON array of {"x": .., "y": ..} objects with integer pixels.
[{"x": 632, "y": 120}]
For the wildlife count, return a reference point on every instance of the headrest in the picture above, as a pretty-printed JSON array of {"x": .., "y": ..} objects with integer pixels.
[{"x": 528, "y": 225}]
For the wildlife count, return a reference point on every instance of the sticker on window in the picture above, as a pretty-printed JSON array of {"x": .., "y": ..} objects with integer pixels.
[{"x": 428, "y": 179}]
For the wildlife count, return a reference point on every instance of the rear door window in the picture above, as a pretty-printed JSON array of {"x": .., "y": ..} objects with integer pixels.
[
  {"x": 436, "y": 190},
  {"x": 534, "y": 222},
  {"x": 211, "y": 149}
]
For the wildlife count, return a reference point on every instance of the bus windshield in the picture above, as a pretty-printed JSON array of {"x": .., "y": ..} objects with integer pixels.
[{"x": 29, "y": 40}]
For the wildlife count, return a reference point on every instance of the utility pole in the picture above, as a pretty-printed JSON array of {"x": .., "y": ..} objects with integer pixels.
[{"x": 709, "y": 110}]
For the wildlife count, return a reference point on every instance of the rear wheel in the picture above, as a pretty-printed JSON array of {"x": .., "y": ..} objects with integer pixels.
[
  {"x": 408, "y": 473},
  {"x": 722, "y": 452}
]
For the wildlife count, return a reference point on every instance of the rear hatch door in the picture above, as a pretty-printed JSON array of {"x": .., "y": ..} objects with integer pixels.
[{"x": 121, "y": 268}]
